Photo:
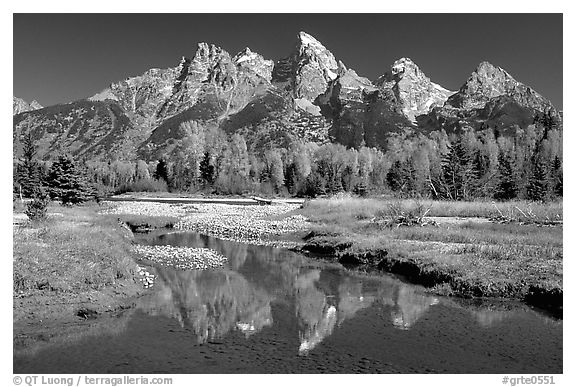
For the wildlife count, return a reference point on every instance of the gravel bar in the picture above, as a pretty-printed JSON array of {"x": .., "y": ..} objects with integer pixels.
[
  {"x": 182, "y": 258},
  {"x": 245, "y": 224}
]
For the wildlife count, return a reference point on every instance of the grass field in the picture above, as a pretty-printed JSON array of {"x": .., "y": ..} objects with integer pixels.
[
  {"x": 72, "y": 251},
  {"x": 463, "y": 257},
  {"x": 347, "y": 207}
]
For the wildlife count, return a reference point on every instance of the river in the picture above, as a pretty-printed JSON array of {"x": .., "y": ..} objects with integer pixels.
[{"x": 271, "y": 310}]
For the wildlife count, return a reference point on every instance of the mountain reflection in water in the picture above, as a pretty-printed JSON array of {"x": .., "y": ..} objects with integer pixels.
[{"x": 239, "y": 296}]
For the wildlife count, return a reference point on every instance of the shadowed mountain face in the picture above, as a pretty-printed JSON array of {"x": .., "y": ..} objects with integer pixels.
[
  {"x": 93, "y": 129},
  {"x": 309, "y": 94}
]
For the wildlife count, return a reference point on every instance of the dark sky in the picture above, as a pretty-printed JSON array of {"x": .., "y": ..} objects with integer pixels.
[{"x": 63, "y": 57}]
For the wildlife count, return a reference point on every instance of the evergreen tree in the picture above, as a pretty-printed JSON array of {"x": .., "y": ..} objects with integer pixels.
[
  {"x": 162, "y": 170},
  {"x": 537, "y": 188},
  {"x": 457, "y": 173},
  {"x": 396, "y": 176},
  {"x": 291, "y": 178},
  {"x": 207, "y": 169},
  {"x": 557, "y": 177},
  {"x": 67, "y": 183},
  {"x": 28, "y": 172},
  {"x": 506, "y": 188}
]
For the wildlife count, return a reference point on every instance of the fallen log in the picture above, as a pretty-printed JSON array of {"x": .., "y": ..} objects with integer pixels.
[{"x": 262, "y": 201}]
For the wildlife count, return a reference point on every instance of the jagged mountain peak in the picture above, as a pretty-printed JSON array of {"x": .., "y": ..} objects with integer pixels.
[
  {"x": 311, "y": 49},
  {"x": 319, "y": 94},
  {"x": 308, "y": 40},
  {"x": 404, "y": 66},
  {"x": 487, "y": 66},
  {"x": 306, "y": 72},
  {"x": 209, "y": 56},
  {"x": 414, "y": 91},
  {"x": 341, "y": 67},
  {"x": 248, "y": 61},
  {"x": 488, "y": 81},
  {"x": 204, "y": 49},
  {"x": 245, "y": 53},
  {"x": 21, "y": 106},
  {"x": 35, "y": 105},
  {"x": 487, "y": 72}
]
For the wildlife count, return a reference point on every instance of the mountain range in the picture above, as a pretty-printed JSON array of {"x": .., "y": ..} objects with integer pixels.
[{"x": 309, "y": 93}]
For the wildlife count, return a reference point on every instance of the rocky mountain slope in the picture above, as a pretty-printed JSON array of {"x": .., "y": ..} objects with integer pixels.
[
  {"x": 21, "y": 106},
  {"x": 308, "y": 94},
  {"x": 306, "y": 72},
  {"x": 414, "y": 91},
  {"x": 98, "y": 129},
  {"x": 490, "y": 97}
]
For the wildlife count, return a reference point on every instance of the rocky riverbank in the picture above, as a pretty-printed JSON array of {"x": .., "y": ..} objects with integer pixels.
[{"x": 260, "y": 225}]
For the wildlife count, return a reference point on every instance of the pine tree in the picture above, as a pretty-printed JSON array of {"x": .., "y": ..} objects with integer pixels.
[
  {"x": 396, "y": 176},
  {"x": 28, "y": 174},
  {"x": 457, "y": 173},
  {"x": 162, "y": 170},
  {"x": 506, "y": 188},
  {"x": 67, "y": 183},
  {"x": 207, "y": 169},
  {"x": 291, "y": 178},
  {"x": 537, "y": 188},
  {"x": 557, "y": 177}
]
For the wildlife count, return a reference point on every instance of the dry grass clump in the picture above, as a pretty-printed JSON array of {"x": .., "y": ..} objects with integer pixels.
[{"x": 397, "y": 215}]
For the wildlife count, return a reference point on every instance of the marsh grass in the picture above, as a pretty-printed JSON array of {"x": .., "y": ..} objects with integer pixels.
[
  {"x": 343, "y": 208},
  {"x": 78, "y": 251},
  {"x": 485, "y": 233},
  {"x": 479, "y": 258}
]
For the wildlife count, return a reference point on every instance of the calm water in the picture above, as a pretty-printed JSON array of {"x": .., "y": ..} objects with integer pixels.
[{"x": 271, "y": 310}]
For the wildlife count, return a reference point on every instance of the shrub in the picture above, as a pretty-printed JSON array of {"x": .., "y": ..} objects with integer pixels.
[
  {"x": 397, "y": 215},
  {"x": 36, "y": 209}
]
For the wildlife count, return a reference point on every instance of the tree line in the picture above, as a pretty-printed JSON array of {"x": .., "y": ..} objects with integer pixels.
[{"x": 465, "y": 166}]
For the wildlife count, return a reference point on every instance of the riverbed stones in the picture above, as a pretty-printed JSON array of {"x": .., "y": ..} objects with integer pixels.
[
  {"x": 147, "y": 208},
  {"x": 245, "y": 224},
  {"x": 181, "y": 258},
  {"x": 147, "y": 278}
]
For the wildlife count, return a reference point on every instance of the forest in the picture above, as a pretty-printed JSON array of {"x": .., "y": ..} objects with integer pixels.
[{"x": 269, "y": 160}]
